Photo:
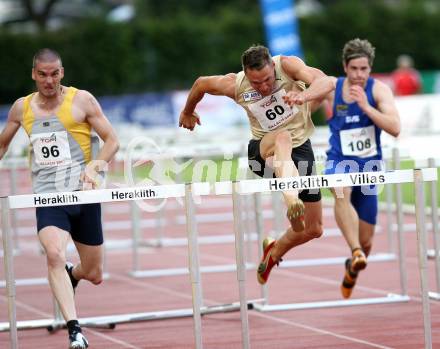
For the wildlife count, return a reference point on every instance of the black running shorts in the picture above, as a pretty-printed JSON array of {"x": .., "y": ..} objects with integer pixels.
[
  {"x": 302, "y": 156},
  {"x": 83, "y": 222}
]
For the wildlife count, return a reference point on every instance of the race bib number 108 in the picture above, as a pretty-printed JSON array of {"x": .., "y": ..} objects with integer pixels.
[{"x": 360, "y": 142}]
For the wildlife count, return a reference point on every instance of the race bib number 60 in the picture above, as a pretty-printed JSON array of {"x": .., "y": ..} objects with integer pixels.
[
  {"x": 272, "y": 111},
  {"x": 51, "y": 149}
]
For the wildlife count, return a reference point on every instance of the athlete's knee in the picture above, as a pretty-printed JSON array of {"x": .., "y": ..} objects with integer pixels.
[
  {"x": 94, "y": 275},
  {"x": 56, "y": 257},
  {"x": 314, "y": 230},
  {"x": 283, "y": 139}
]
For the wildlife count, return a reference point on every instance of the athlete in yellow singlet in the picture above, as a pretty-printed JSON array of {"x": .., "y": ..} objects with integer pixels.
[
  {"x": 273, "y": 92},
  {"x": 59, "y": 122}
]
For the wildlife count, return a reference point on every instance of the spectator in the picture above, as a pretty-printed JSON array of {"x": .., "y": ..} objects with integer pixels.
[{"x": 405, "y": 78}]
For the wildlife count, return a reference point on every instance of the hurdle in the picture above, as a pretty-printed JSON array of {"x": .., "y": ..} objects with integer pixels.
[
  {"x": 390, "y": 177},
  {"x": 107, "y": 195},
  {"x": 13, "y": 165},
  {"x": 435, "y": 253},
  {"x": 431, "y": 253},
  {"x": 161, "y": 241},
  {"x": 401, "y": 176},
  {"x": 397, "y": 176},
  {"x": 419, "y": 177}
]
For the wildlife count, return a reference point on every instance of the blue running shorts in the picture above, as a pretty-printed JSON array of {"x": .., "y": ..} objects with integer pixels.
[
  {"x": 363, "y": 198},
  {"x": 83, "y": 222}
]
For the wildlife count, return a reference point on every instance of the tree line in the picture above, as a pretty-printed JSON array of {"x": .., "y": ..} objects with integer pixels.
[{"x": 163, "y": 49}]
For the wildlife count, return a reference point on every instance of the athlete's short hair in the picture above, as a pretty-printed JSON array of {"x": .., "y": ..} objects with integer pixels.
[
  {"x": 357, "y": 48},
  {"x": 46, "y": 55},
  {"x": 255, "y": 57}
]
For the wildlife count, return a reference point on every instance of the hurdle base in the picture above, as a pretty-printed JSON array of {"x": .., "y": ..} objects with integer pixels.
[
  {"x": 202, "y": 240},
  {"x": 112, "y": 320},
  {"x": 431, "y": 254},
  {"x": 391, "y": 298},
  {"x": 377, "y": 257},
  {"x": 37, "y": 281},
  {"x": 434, "y": 295},
  {"x": 184, "y": 271}
]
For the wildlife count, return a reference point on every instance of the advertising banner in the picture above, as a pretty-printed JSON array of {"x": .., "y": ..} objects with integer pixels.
[{"x": 281, "y": 27}]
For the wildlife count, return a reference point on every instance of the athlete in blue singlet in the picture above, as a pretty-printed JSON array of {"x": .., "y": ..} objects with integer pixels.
[{"x": 361, "y": 107}]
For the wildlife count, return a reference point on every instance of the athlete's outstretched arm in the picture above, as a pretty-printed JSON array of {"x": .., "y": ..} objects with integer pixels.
[
  {"x": 218, "y": 85},
  {"x": 12, "y": 125},
  {"x": 320, "y": 85}
]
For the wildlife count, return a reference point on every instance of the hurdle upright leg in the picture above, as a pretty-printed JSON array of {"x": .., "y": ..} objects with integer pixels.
[
  {"x": 241, "y": 266},
  {"x": 389, "y": 204},
  {"x": 422, "y": 255},
  {"x": 9, "y": 272},
  {"x": 14, "y": 224},
  {"x": 135, "y": 215},
  {"x": 194, "y": 263},
  {"x": 435, "y": 231},
  {"x": 400, "y": 230},
  {"x": 260, "y": 229}
]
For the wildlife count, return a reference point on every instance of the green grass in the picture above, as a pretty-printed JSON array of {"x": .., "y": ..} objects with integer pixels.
[{"x": 216, "y": 170}]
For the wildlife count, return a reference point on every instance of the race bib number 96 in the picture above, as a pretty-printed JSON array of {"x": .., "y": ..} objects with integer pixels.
[
  {"x": 272, "y": 111},
  {"x": 360, "y": 142},
  {"x": 51, "y": 149}
]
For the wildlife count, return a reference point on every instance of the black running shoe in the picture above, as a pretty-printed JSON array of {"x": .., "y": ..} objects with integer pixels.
[
  {"x": 78, "y": 341},
  {"x": 74, "y": 282}
]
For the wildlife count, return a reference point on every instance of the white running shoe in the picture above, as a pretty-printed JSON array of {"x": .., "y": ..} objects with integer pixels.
[{"x": 78, "y": 341}]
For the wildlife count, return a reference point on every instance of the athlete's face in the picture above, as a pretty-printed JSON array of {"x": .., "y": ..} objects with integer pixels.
[
  {"x": 262, "y": 80},
  {"x": 358, "y": 71},
  {"x": 47, "y": 76}
]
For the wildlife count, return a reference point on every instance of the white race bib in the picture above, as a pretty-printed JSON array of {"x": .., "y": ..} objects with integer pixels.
[
  {"x": 360, "y": 142},
  {"x": 51, "y": 149},
  {"x": 272, "y": 111}
]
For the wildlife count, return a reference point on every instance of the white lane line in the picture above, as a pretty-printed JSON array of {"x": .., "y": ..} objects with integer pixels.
[
  {"x": 111, "y": 339},
  {"x": 38, "y": 312},
  {"x": 415, "y": 296},
  {"x": 290, "y": 323},
  {"x": 318, "y": 330},
  {"x": 144, "y": 285}
]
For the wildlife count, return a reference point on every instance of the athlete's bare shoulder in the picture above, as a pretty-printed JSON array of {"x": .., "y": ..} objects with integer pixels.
[
  {"x": 86, "y": 101},
  {"x": 83, "y": 96},
  {"x": 88, "y": 104},
  {"x": 17, "y": 109},
  {"x": 230, "y": 77},
  {"x": 229, "y": 83}
]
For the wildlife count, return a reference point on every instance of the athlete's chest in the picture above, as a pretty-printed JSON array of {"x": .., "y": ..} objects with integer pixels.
[
  {"x": 65, "y": 110},
  {"x": 346, "y": 110}
]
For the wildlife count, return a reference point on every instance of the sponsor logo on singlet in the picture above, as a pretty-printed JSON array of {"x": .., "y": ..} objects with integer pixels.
[{"x": 251, "y": 96}]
